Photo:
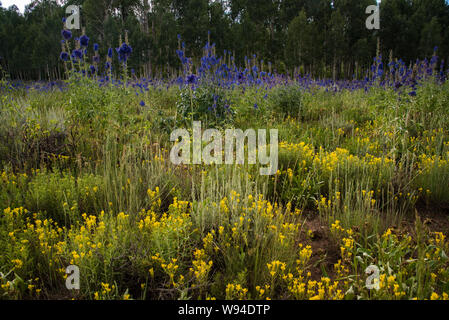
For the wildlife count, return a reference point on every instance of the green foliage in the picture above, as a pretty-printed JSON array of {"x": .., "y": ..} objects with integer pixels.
[
  {"x": 87, "y": 101},
  {"x": 208, "y": 104},
  {"x": 286, "y": 101},
  {"x": 63, "y": 197},
  {"x": 28, "y": 138}
]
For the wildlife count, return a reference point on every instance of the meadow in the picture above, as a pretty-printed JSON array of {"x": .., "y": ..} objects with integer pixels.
[{"x": 363, "y": 181}]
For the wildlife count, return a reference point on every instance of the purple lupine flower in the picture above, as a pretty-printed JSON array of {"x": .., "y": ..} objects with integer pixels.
[
  {"x": 64, "y": 56},
  {"x": 124, "y": 52},
  {"x": 84, "y": 40},
  {"x": 191, "y": 79},
  {"x": 77, "y": 54}
]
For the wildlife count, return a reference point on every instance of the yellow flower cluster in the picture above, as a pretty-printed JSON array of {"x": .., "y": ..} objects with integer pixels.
[
  {"x": 155, "y": 198},
  {"x": 276, "y": 267},
  {"x": 201, "y": 267},
  {"x": 262, "y": 291},
  {"x": 236, "y": 292}
]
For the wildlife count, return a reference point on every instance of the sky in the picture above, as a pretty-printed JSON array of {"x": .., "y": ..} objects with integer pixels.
[{"x": 19, "y": 3}]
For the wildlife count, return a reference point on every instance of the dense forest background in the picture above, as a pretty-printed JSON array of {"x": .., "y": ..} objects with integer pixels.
[{"x": 324, "y": 38}]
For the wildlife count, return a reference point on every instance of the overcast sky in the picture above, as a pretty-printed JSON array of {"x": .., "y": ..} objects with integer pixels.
[{"x": 19, "y": 3}]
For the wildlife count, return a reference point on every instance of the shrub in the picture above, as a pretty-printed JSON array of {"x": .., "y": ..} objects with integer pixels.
[
  {"x": 208, "y": 104},
  {"x": 286, "y": 101}
]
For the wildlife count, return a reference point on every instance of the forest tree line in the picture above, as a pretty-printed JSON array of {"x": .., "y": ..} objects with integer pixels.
[{"x": 323, "y": 38}]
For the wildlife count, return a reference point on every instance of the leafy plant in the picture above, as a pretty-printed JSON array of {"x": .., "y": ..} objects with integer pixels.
[
  {"x": 206, "y": 103},
  {"x": 286, "y": 101}
]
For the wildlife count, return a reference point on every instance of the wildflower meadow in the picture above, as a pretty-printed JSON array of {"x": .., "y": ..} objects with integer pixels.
[{"x": 93, "y": 207}]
